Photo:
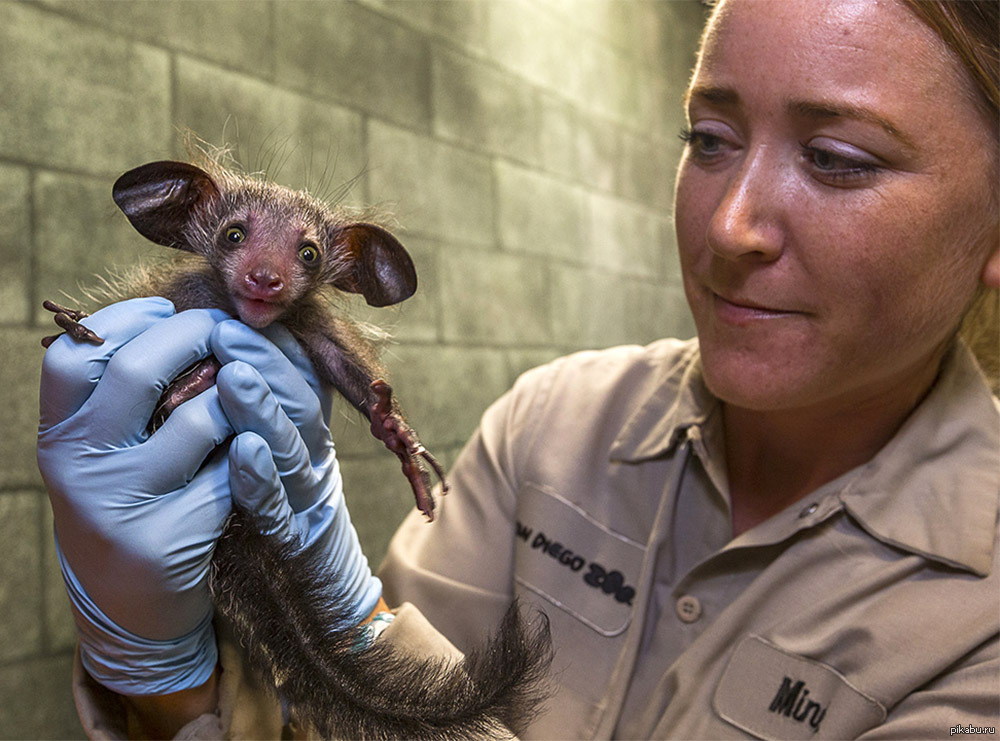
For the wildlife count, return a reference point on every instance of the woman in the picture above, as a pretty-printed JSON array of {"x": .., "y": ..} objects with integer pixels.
[{"x": 786, "y": 528}]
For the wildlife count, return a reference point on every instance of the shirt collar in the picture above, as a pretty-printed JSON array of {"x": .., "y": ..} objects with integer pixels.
[
  {"x": 650, "y": 432},
  {"x": 934, "y": 489},
  {"x": 947, "y": 512}
]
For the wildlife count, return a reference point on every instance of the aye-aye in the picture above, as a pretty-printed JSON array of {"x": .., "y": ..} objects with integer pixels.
[{"x": 266, "y": 253}]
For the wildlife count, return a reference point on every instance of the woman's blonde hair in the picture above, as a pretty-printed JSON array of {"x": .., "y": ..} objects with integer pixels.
[{"x": 971, "y": 29}]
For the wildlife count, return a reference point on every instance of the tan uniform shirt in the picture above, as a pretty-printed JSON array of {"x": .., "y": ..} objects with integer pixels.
[{"x": 595, "y": 489}]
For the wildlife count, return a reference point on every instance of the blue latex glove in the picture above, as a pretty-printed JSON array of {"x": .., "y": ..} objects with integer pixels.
[
  {"x": 282, "y": 463},
  {"x": 137, "y": 518}
]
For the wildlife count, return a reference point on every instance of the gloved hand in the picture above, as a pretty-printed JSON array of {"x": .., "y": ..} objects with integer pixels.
[
  {"x": 136, "y": 518},
  {"x": 282, "y": 463}
]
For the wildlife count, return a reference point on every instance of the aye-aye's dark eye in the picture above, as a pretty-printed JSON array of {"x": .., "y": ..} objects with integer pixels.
[
  {"x": 236, "y": 234},
  {"x": 308, "y": 253}
]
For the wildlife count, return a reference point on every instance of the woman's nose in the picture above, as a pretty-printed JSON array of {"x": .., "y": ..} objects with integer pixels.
[{"x": 747, "y": 221}]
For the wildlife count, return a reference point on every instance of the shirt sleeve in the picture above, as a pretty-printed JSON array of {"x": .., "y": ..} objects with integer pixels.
[
  {"x": 964, "y": 696},
  {"x": 459, "y": 569}
]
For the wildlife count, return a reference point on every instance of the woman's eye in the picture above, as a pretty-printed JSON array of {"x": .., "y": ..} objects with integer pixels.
[
  {"x": 838, "y": 169},
  {"x": 702, "y": 144},
  {"x": 236, "y": 234},
  {"x": 308, "y": 253}
]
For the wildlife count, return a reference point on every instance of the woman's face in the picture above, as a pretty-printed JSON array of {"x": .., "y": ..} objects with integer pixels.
[{"x": 834, "y": 207}]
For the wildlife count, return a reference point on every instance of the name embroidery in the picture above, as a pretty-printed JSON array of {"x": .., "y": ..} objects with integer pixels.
[
  {"x": 610, "y": 582},
  {"x": 791, "y": 702}
]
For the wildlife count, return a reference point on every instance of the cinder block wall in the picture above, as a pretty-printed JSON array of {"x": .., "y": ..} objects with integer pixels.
[{"x": 523, "y": 150}]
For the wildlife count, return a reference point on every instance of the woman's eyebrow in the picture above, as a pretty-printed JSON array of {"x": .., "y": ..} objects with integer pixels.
[
  {"x": 826, "y": 110},
  {"x": 711, "y": 94},
  {"x": 816, "y": 110}
]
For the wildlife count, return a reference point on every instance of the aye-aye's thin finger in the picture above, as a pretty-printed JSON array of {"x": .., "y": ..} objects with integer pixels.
[{"x": 71, "y": 369}]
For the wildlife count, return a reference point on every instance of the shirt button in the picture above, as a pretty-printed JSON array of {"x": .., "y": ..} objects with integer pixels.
[
  {"x": 688, "y": 608},
  {"x": 808, "y": 510}
]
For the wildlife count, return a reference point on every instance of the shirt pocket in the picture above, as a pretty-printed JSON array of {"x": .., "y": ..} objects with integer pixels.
[
  {"x": 575, "y": 562},
  {"x": 582, "y": 574},
  {"x": 775, "y": 694}
]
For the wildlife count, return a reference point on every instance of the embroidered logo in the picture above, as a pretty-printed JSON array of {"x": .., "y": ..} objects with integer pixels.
[
  {"x": 608, "y": 581},
  {"x": 791, "y": 702}
]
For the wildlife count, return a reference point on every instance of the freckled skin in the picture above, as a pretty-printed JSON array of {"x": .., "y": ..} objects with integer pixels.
[
  {"x": 838, "y": 294},
  {"x": 884, "y": 268}
]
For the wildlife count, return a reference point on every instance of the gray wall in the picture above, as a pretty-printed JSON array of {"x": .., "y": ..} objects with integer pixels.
[{"x": 524, "y": 148}]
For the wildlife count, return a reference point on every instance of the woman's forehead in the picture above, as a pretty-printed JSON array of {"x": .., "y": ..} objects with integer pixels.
[
  {"x": 856, "y": 43},
  {"x": 874, "y": 54}
]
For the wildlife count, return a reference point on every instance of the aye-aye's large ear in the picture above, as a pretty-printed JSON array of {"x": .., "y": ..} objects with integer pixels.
[
  {"x": 381, "y": 270},
  {"x": 158, "y": 199}
]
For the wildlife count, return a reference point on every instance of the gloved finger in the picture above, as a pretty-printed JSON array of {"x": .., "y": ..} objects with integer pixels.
[
  {"x": 291, "y": 349},
  {"x": 251, "y": 407},
  {"x": 256, "y": 486},
  {"x": 290, "y": 376},
  {"x": 123, "y": 402},
  {"x": 72, "y": 368},
  {"x": 173, "y": 455}
]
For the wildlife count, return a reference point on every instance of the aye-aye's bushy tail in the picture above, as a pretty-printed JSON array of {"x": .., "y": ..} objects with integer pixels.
[{"x": 293, "y": 637}]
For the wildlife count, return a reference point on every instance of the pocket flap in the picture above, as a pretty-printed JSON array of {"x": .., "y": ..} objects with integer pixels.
[
  {"x": 574, "y": 561},
  {"x": 775, "y": 694}
]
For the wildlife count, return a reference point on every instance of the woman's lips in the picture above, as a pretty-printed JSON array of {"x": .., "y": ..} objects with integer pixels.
[{"x": 739, "y": 311}]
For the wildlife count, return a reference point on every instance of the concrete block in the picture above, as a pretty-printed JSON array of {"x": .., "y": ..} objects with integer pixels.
[
  {"x": 445, "y": 390},
  {"x": 610, "y": 20},
  {"x": 494, "y": 299},
  {"x": 296, "y": 140},
  {"x": 552, "y": 50},
  {"x": 15, "y": 243},
  {"x": 653, "y": 311},
  {"x": 235, "y": 33},
  {"x": 483, "y": 108},
  {"x": 20, "y": 575},
  {"x": 667, "y": 35},
  {"x": 80, "y": 234},
  {"x": 525, "y": 39},
  {"x": 540, "y": 214},
  {"x": 638, "y": 171},
  {"x": 350, "y": 54},
  {"x": 606, "y": 81},
  {"x": 588, "y": 309},
  {"x": 36, "y": 700},
  {"x": 435, "y": 189},
  {"x": 460, "y": 21},
  {"x": 598, "y": 148},
  {"x": 77, "y": 97},
  {"x": 378, "y": 498},
  {"x": 558, "y": 132},
  {"x": 20, "y": 372},
  {"x": 625, "y": 237}
]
